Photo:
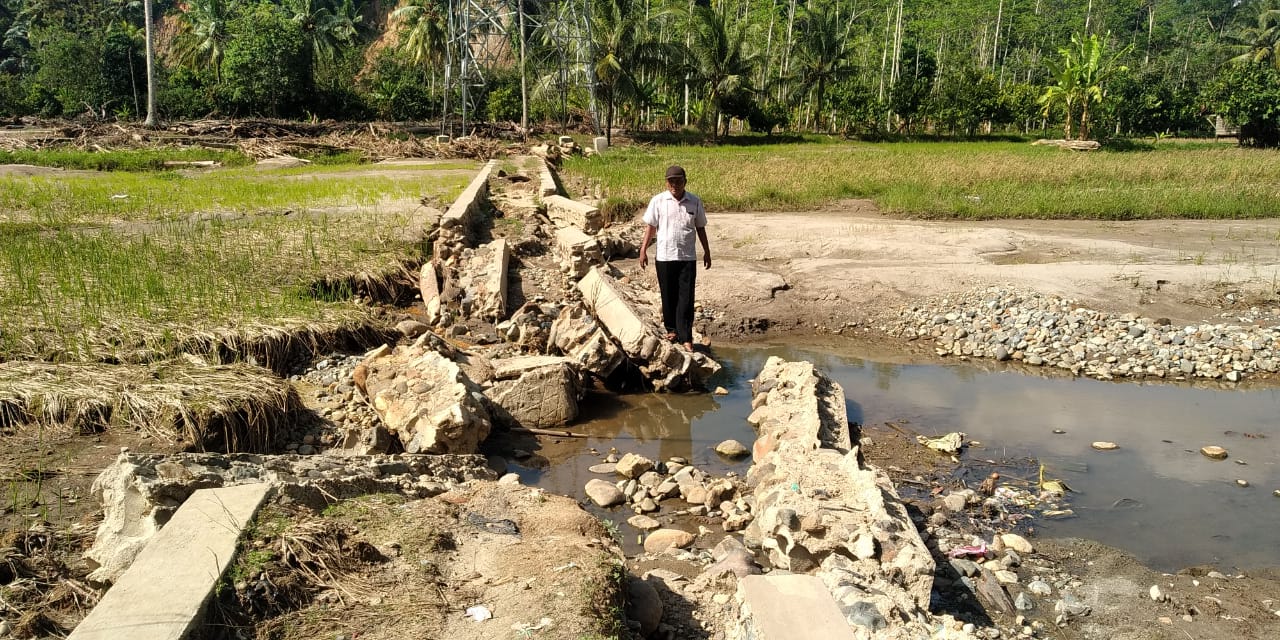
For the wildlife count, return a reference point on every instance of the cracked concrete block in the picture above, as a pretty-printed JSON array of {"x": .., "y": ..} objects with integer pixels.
[
  {"x": 427, "y": 400},
  {"x": 571, "y": 213},
  {"x": 535, "y": 391}
]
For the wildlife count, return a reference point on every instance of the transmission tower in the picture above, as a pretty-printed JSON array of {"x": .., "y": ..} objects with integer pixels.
[{"x": 480, "y": 39}]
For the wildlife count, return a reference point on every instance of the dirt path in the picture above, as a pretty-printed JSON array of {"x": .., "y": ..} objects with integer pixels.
[{"x": 797, "y": 271}]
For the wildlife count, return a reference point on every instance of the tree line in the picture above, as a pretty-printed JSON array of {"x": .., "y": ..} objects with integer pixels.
[{"x": 859, "y": 67}]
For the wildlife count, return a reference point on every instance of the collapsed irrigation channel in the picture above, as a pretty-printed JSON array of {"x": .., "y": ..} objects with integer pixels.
[{"x": 492, "y": 437}]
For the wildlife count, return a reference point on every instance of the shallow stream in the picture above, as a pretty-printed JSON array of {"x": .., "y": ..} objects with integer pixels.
[{"x": 1155, "y": 496}]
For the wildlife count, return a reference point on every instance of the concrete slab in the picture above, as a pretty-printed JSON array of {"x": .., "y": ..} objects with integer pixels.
[
  {"x": 571, "y": 213},
  {"x": 515, "y": 367},
  {"x": 164, "y": 593},
  {"x": 460, "y": 212},
  {"x": 546, "y": 181},
  {"x": 789, "y": 607},
  {"x": 576, "y": 251}
]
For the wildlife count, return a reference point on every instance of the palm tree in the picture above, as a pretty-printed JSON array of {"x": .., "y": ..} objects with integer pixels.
[
  {"x": 720, "y": 57},
  {"x": 821, "y": 59},
  {"x": 328, "y": 27},
  {"x": 151, "y": 76},
  {"x": 1260, "y": 41},
  {"x": 202, "y": 34},
  {"x": 424, "y": 30},
  {"x": 622, "y": 46}
]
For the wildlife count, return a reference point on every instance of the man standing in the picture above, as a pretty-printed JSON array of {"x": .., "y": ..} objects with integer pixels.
[{"x": 675, "y": 216}]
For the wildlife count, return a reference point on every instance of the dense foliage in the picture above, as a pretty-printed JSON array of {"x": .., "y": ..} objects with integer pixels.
[{"x": 1096, "y": 69}]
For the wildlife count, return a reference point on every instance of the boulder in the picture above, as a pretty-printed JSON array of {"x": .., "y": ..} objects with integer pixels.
[
  {"x": 535, "y": 391},
  {"x": 664, "y": 539},
  {"x": 733, "y": 449},
  {"x": 426, "y": 399},
  {"x": 633, "y": 465},
  {"x": 604, "y": 494},
  {"x": 643, "y": 605}
]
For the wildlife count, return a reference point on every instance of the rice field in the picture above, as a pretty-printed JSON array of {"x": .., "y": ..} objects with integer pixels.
[
  {"x": 131, "y": 267},
  {"x": 973, "y": 180}
]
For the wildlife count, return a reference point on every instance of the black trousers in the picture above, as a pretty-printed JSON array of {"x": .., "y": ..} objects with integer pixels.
[{"x": 675, "y": 283}]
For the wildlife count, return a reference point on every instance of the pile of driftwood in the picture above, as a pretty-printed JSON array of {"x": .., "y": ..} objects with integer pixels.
[{"x": 260, "y": 138}]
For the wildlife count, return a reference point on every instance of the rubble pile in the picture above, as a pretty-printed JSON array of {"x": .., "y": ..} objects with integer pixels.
[
  {"x": 139, "y": 492},
  {"x": 1050, "y": 331}
]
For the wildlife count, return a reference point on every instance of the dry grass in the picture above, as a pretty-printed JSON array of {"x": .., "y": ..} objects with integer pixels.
[{"x": 225, "y": 407}]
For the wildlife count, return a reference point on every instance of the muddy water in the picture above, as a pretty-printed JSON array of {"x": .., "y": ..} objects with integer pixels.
[{"x": 1155, "y": 496}]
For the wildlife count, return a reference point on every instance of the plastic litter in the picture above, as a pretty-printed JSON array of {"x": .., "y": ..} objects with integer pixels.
[
  {"x": 479, "y": 613},
  {"x": 970, "y": 550},
  {"x": 949, "y": 443}
]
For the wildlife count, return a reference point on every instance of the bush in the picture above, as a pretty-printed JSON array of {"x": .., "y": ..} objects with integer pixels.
[
  {"x": 1248, "y": 94},
  {"x": 267, "y": 65}
]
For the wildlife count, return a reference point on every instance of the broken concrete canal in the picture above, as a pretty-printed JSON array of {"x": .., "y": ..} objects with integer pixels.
[{"x": 508, "y": 338}]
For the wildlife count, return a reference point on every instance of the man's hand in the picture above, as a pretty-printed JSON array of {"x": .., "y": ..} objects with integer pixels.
[
  {"x": 644, "y": 260},
  {"x": 706, "y": 260}
]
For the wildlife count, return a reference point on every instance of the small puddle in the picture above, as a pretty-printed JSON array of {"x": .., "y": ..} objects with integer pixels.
[{"x": 1155, "y": 497}]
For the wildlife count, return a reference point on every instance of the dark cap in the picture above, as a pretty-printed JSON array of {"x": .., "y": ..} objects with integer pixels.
[{"x": 675, "y": 171}]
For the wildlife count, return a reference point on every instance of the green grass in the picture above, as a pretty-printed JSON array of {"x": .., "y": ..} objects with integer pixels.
[
  {"x": 87, "y": 277},
  {"x": 169, "y": 195},
  {"x": 128, "y": 160},
  {"x": 979, "y": 180}
]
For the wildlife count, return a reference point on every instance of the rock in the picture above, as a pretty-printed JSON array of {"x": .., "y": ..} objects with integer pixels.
[
  {"x": 1234, "y": 376},
  {"x": 643, "y": 605},
  {"x": 1040, "y": 588},
  {"x": 1070, "y": 605},
  {"x": 426, "y": 399},
  {"x": 663, "y": 539},
  {"x": 509, "y": 479},
  {"x": 992, "y": 593},
  {"x": 535, "y": 391},
  {"x": 696, "y": 495},
  {"x": 306, "y": 450},
  {"x": 733, "y": 449},
  {"x": 1103, "y": 445},
  {"x": 1023, "y": 602},
  {"x": 955, "y": 501},
  {"x": 603, "y": 493},
  {"x": 633, "y": 466},
  {"x": 1213, "y": 452},
  {"x": 1156, "y": 594},
  {"x": 738, "y": 562},
  {"x": 1006, "y": 577},
  {"x": 411, "y": 328},
  {"x": 964, "y": 567},
  {"x": 643, "y": 522},
  {"x": 721, "y": 391},
  {"x": 1242, "y": 483},
  {"x": 864, "y": 614},
  {"x": 603, "y": 468},
  {"x": 1017, "y": 543},
  {"x": 647, "y": 505}
]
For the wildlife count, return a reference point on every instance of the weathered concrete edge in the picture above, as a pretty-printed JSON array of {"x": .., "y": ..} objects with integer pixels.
[
  {"x": 164, "y": 593},
  {"x": 465, "y": 206},
  {"x": 547, "y": 181}
]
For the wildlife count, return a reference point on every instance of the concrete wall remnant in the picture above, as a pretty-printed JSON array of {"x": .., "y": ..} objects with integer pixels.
[
  {"x": 667, "y": 366},
  {"x": 821, "y": 511},
  {"x": 571, "y": 213}
]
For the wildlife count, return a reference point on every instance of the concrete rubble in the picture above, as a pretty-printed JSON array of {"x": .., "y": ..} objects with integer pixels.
[
  {"x": 616, "y": 305},
  {"x": 820, "y": 511},
  {"x": 576, "y": 334},
  {"x": 571, "y": 213},
  {"x": 140, "y": 492},
  {"x": 535, "y": 391},
  {"x": 425, "y": 398},
  {"x": 576, "y": 251},
  {"x": 482, "y": 281},
  {"x": 529, "y": 327},
  {"x": 456, "y": 227}
]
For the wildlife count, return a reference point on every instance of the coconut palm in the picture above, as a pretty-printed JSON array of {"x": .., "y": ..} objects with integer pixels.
[
  {"x": 327, "y": 25},
  {"x": 424, "y": 30},
  {"x": 720, "y": 57},
  {"x": 1260, "y": 41},
  {"x": 822, "y": 58},
  {"x": 622, "y": 46},
  {"x": 202, "y": 34}
]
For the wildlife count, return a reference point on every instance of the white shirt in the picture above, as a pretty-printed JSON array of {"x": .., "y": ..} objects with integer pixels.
[{"x": 677, "y": 222}]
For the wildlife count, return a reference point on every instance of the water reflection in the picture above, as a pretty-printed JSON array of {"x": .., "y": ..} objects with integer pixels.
[{"x": 1156, "y": 496}]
